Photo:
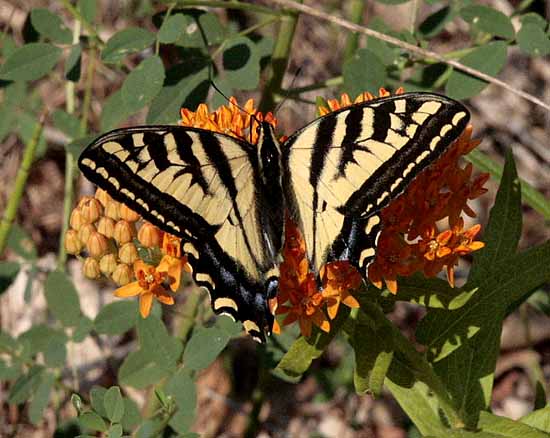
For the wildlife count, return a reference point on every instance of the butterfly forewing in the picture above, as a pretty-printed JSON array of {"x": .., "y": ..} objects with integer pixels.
[{"x": 343, "y": 168}]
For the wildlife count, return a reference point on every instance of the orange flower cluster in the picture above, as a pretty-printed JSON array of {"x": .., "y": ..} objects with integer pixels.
[
  {"x": 412, "y": 239},
  {"x": 103, "y": 231}
]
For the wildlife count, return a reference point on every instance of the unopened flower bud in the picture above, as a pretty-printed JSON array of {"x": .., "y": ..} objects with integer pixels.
[
  {"x": 103, "y": 197},
  {"x": 91, "y": 210},
  {"x": 128, "y": 253},
  {"x": 91, "y": 268},
  {"x": 124, "y": 232},
  {"x": 122, "y": 274},
  {"x": 127, "y": 214},
  {"x": 73, "y": 245},
  {"x": 106, "y": 226},
  {"x": 107, "y": 264},
  {"x": 76, "y": 220},
  {"x": 97, "y": 244},
  {"x": 112, "y": 210},
  {"x": 85, "y": 232},
  {"x": 84, "y": 200},
  {"x": 149, "y": 235}
]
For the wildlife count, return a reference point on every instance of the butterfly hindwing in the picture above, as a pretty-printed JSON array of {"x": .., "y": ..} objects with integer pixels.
[{"x": 343, "y": 168}]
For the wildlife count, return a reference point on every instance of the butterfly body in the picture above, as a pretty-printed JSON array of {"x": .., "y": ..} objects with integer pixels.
[{"x": 227, "y": 198}]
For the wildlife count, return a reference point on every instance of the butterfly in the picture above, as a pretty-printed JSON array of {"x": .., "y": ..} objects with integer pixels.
[{"x": 227, "y": 198}]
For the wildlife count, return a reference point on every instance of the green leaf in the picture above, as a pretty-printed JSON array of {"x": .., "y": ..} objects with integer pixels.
[
  {"x": 488, "y": 59},
  {"x": 363, "y": 72},
  {"x": 62, "y": 298},
  {"x": 506, "y": 427},
  {"x": 373, "y": 347},
  {"x": 488, "y": 20},
  {"x": 183, "y": 390},
  {"x": 26, "y": 385},
  {"x": 502, "y": 234},
  {"x": 149, "y": 428},
  {"x": 41, "y": 398},
  {"x": 27, "y": 127},
  {"x": 97, "y": 394},
  {"x": 534, "y": 18},
  {"x": 386, "y": 54},
  {"x": 88, "y": 9},
  {"x": 76, "y": 146},
  {"x": 55, "y": 354},
  {"x": 113, "y": 403},
  {"x": 204, "y": 346},
  {"x": 7, "y": 343},
  {"x": 73, "y": 63},
  {"x": 116, "y": 318},
  {"x": 125, "y": 42},
  {"x": 139, "y": 371},
  {"x": 40, "y": 336},
  {"x": 428, "y": 292},
  {"x": 241, "y": 63},
  {"x": 83, "y": 329},
  {"x": 90, "y": 420},
  {"x": 8, "y": 273},
  {"x": 8, "y": 372},
  {"x": 21, "y": 243},
  {"x": 392, "y": 2},
  {"x": 539, "y": 419},
  {"x": 436, "y": 22},
  {"x": 529, "y": 194},
  {"x": 172, "y": 29},
  {"x": 30, "y": 62},
  {"x": 143, "y": 84},
  {"x": 187, "y": 93},
  {"x": 115, "y": 431},
  {"x": 156, "y": 342},
  {"x": 51, "y": 26},
  {"x": 113, "y": 112},
  {"x": 199, "y": 29},
  {"x": 132, "y": 416},
  {"x": 533, "y": 41},
  {"x": 67, "y": 123}
]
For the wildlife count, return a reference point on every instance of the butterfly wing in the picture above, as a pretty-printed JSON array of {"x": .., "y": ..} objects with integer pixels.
[
  {"x": 342, "y": 169},
  {"x": 200, "y": 186}
]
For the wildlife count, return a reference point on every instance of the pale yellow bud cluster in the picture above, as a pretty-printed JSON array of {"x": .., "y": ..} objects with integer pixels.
[{"x": 102, "y": 231}]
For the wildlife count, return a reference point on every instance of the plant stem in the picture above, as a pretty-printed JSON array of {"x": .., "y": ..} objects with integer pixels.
[
  {"x": 279, "y": 61},
  {"x": 78, "y": 17},
  {"x": 20, "y": 181},
  {"x": 357, "y": 8},
  {"x": 248, "y": 7}
]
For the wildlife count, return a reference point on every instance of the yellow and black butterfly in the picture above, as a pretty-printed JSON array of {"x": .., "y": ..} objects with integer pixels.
[{"x": 227, "y": 198}]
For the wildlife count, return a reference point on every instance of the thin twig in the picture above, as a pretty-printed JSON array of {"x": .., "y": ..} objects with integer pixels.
[{"x": 409, "y": 47}]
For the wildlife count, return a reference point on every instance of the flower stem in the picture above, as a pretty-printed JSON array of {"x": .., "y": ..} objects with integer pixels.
[
  {"x": 279, "y": 61},
  {"x": 357, "y": 8},
  {"x": 20, "y": 180}
]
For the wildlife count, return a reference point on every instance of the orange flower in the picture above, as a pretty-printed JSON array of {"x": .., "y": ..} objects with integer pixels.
[{"x": 338, "y": 279}]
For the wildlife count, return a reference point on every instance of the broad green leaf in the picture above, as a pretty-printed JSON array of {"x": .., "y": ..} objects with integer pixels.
[
  {"x": 392, "y": 2},
  {"x": 40, "y": 398},
  {"x": 218, "y": 99},
  {"x": 90, "y": 420},
  {"x": 534, "y": 18},
  {"x": 55, "y": 354},
  {"x": 154, "y": 340},
  {"x": 8, "y": 273},
  {"x": 139, "y": 371},
  {"x": 386, "y": 54},
  {"x": 67, "y": 123},
  {"x": 62, "y": 298},
  {"x": 149, "y": 428},
  {"x": 28, "y": 124},
  {"x": 40, "y": 336},
  {"x": 113, "y": 404},
  {"x": 488, "y": 59},
  {"x": 30, "y": 62},
  {"x": 241, "y": 63},
  {"x": 132, "y": 416},
  {"x": 183, "y": 389},
  {"x": 434, "y": 23},
  {"x": 8, "y": 116},
  {"x": 8, "y": 44},
  {"x": 97, "y": 394},
  {"x": 114, "y": 111},
  {"x": 88, "y": 9},
  {"x": 115, "y": 431},
  {"x": 501, "y": 236},
  {"x": 73, "y": 64},
  {"x": 532, "y": 40},
  {"x": 186, "y": 93},
  {"x": 51, "y": 26},
  {"x": 125, "y": 42},
  {"x": 7, "y": 343},
  {"x": 83, "y": 329},
  {"x": 373, "y": 347},
  {"x": 143, "y": 84},
  {"x": 539, "y": 419},
  {"x": 488, "y": 20},
  {"x": 26, "y": 385},
  {"x": 506, "y": 427},
  {"x": 204, "y": 346},
  {"x": 172, "y": 29},
  {"x": 529, "y": 194},
  {"x": 363, "y": 72},
  {"x": 76, "y": 146},
  {"x": 211, "y": 27},
  {"x": 428, "y": 292},
  {"x": 199, "y": 29},
  {"x": 21, "y": 243},
  {"x": 8, "y": 372},
  {"x": 116, "y": 318}
]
